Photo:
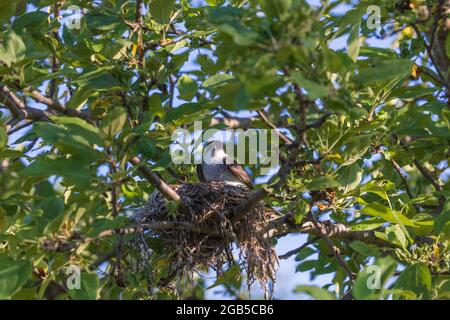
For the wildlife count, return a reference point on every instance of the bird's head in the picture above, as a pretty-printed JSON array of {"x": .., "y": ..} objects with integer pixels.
[{"x": 214, "y": 152}]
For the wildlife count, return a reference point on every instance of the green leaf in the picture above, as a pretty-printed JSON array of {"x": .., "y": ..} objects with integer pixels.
[
  {"x": 97, "y": 80},
  {"x": 155, "y": 105},
  {"x": 217, "y": 80},
  {"x": 396, "y": 235},
  {"x": 375, "y": 209},
  {"x": 304, "y": 253},
  {"x": 10, "y": 153},
  {"x": 275, "y": 8},
  {"x": 350, "y": 177},
  {"x": 446, "y": 117},
  {"x": 87, "y": 130},
  {"x": 53, "y": 210},
  {"x": 355, "y": 149},
  {"x": 315, "y": 292},
  {"x": 240, "y": 35},
  {"x": 89, "y": 287},
  {"x": 13, "y": 275},
  {"x": 314, "y": 89},
  {"x": 301, "y": 209},
  {"x": 410, "y": 93},
  {"x": 71, "y": 135},
  {"x": 415, "y": 278},
  {"x": 187, "y": 110},
  {"x": 14, "y": 51},
  {"x": 367, "y": 225},
  {"x": 187, "y": 88},
  {"x": 214, "y": 3},
  {"x": 306, "y": 266},
  {"x": 442, "y": 222},
  {"x": 322, "y": 182},
  {"x": 161, "y": 10},
  {"x": 373, "y": 187},
  {"x": 354, "y": 42},
  {"x": 384, "y": 71},
  {"x": 73, "y": 169},
  {"x": 231, "y": 277},
  {"x": 365, "y": 249},
  {"x": 113, "y": 122},
  {"x": 447, "y": 45},
  {"x": 370, "y": 283},
  {"x": 3, "y": 138},
  {"x": 101, "y": 22}
]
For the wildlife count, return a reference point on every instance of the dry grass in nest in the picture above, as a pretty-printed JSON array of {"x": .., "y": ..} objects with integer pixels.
[{"x": 213, "y": 207}]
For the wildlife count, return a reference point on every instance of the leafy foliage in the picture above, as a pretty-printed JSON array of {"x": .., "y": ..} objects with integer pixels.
[{"x": 370, "y": 125}]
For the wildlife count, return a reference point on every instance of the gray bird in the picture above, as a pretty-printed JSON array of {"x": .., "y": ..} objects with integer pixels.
[{"x": 217, "y": 169}]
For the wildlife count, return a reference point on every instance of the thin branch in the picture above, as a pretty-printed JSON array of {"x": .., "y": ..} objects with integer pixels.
[
  {"x": 431, "y": 75},
  {"x": 138, "y": 21},
  {"x": 55, "y": 62},
  {"x": 233, "y": 122},
  {"x": 295, "y": 251},
  {"x": 402, "y": 176},
  {"x": 114, "y": 187},
  {"x": 431, "y": 55},
  {"x": 303, "y": 104},
  {"x": 424, "y": 171},
  {"x": 265, "y": 119},
  {"x": 428, "y": 175},
  {"x": 323, "y": 234},
  {"x": 156, "y": 181},
  {"x": 20, "y": 127},
  {"x": 318, "y": 123},
  {"x": 67, "y": 245}
]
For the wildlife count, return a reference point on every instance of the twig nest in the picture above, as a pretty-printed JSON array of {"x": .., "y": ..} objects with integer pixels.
[{"x": 213, "y": 209}]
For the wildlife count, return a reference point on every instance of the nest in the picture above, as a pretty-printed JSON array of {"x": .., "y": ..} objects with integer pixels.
[{"x": 213, "y": 209}]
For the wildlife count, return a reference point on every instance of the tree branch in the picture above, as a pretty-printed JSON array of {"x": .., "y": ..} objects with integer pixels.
[
  {"x": 295, "y": 251},
  {"x": 284, "y": 225},
  {"x": 18, "y": 108},
  {"x": 405, "y": 183},
  {"x": 318, "y": 123},
  {"x": 57, "y": 106},
  {"x": 324, "y": 235},
  {"x": 156, "y": 181},
  {"x": 424, "y": 171},
  {"x": 265, "y": 119},
  {"x": 431, "y": 55}
]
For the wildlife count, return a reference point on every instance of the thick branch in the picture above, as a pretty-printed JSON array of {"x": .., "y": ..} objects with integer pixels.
[
  {"x": 284, "y": 225},
  {"x": 57, "y": 106},
  {"x": 66, "y": 245}
]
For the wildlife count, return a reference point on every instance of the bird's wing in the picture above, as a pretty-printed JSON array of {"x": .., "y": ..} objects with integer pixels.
[
  {"x": 200, "y": 175},
  {"x": 241, "y": 174}
]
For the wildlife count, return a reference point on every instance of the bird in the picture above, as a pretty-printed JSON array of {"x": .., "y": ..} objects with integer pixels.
[{"x": 217, "y": 168}]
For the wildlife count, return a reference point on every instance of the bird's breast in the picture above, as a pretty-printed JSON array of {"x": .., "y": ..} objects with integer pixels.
[{"x": 213, "y": 172}]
